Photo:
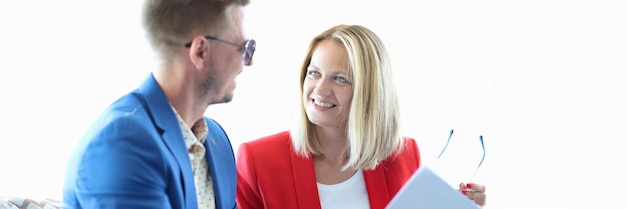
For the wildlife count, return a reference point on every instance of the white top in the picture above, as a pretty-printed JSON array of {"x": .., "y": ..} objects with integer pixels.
[{"x": 350, "y": 194}]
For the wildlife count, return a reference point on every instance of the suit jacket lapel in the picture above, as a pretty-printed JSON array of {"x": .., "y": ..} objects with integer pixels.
[
  {"x": 165, "y": 119},
  {"x": 216, "y": 157},
  {"x": 305, "y": 181},
  {"x": 376, "y": 184}
]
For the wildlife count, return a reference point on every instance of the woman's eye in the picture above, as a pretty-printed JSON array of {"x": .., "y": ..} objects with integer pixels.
[
  {"x": 313, "y": 73},
  {"x": 342, "y": 80}
]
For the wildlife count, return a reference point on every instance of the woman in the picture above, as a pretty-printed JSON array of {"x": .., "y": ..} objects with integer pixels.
[{"x": 345, "y": 150}]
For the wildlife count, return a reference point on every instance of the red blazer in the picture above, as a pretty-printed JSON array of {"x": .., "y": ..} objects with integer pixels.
[{"x": 271, "y": 175}]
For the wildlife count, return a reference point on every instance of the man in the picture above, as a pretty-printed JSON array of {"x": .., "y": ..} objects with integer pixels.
[{"x": 153, "y": 148}]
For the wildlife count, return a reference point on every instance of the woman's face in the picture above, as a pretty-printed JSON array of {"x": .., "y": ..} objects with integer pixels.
[{"x": 327, "y": 89}]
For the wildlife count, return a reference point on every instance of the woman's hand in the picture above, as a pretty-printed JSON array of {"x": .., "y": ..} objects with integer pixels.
[{"x": 474, "y": 191}]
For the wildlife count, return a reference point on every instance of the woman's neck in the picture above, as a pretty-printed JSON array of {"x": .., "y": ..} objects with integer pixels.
[{"x": 333, "y": 144}]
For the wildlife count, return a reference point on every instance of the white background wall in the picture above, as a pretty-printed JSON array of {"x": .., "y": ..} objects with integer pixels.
[{"x": 542, "y": 81}]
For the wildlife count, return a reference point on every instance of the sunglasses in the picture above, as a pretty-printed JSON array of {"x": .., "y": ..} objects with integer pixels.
[
  {"x": 481, "y": 160},
  {"x": 247, "y": 49}
]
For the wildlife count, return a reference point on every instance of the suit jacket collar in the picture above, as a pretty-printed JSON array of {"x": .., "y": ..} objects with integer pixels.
[{"x": 165, "y": 120}]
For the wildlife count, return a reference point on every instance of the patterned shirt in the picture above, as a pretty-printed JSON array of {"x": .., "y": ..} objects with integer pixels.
[{"x": 194, "y": 139}]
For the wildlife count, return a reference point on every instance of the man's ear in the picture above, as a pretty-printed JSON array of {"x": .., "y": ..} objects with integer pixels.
[{"x": 198, "y": 51}]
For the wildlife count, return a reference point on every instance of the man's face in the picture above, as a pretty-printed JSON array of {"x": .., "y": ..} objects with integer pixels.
[{"x": 226, "y": 61}]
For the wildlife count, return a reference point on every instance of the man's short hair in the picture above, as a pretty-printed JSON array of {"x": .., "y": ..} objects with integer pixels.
[{"x": 169, "y": 23}]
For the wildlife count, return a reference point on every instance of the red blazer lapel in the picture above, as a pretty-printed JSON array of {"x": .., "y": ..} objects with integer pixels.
[
  {"x": 305, "y": 181},
  {"x": 389, "y": 176},
  {"x": 377, "y": 189}
]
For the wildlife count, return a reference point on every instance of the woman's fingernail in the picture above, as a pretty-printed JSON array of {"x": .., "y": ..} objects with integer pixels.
[
  {"x": 469, "y": 186},
  {"x": 464, "y": 192},
  {"x": 461, "y": 185}
]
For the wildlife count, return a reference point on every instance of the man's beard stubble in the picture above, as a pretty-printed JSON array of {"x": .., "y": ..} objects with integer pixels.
[{"x": 208, "y": 85}]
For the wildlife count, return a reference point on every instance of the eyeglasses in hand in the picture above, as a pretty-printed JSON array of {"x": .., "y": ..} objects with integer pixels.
[
  {"x": 247, "y": 49},
  {"x": 481, "y": 160}
]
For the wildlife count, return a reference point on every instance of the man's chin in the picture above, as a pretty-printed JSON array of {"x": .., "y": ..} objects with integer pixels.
[{"x": 226, "y": 99}]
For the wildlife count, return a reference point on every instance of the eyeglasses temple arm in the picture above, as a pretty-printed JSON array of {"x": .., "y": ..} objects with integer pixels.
[
  {"x": 481, "y": 160},
  {"x": 484, "y": 153},
  {"x": 448, "y": 142}
]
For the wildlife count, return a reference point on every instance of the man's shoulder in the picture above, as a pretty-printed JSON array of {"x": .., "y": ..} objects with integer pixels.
[
  {"x": 126, "y": 113},
  {"x": 127, "y": 107}
]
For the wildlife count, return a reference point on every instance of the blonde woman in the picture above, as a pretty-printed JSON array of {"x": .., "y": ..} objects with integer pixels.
[{"x": 345, "y": 150}]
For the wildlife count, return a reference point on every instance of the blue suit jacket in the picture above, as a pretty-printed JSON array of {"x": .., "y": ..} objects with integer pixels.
[{"x": 134, "y": 156}]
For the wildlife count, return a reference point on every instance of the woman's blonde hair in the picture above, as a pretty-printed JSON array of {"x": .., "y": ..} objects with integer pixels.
[{"x": 373, "y": 121}]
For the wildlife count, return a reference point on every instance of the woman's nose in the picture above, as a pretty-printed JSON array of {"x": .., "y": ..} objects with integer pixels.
[{"x": 323, "y": 88}]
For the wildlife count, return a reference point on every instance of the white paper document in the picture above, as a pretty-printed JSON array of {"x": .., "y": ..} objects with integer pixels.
[{"x": 426, "y": 190}]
